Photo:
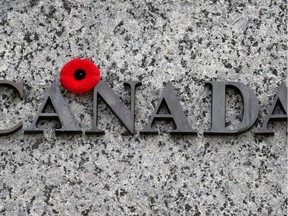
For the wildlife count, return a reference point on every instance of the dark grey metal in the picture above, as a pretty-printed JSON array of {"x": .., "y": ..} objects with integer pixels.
[
  {"x": 176, "y": 114},
  {"x": 250, "y": 108},
  {"x": 121, "y": 111},
  {"x": 62, "y": 113},
  {"x": 19, "y": 88},
  {"x": 281, "y": 99}
]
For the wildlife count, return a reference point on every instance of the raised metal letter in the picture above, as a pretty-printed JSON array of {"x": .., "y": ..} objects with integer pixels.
[
  {"x": 250, "y": 105},
  {"x": 281, "y": 99},
  {"x": 19, "y": 88},
  {"x": 120, "y": 110},
  {"x": 176, "y": 114},
  {"x": 62, "y": 113}
]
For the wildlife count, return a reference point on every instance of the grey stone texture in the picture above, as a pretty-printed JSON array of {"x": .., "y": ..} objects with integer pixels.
[{"x": 186, "y": 42}]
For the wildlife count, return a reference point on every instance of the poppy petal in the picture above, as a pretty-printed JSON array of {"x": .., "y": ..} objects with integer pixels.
[{"x": 84, "y": 82}]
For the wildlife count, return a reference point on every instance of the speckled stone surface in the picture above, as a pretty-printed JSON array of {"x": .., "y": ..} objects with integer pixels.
[{"x": 185, "y": 42}]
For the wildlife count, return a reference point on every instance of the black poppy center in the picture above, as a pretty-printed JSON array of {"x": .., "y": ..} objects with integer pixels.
[{"x": 79, "y": 74}]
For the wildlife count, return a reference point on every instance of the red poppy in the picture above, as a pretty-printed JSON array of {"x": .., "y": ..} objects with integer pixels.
[{"x": 79, "y": 75}]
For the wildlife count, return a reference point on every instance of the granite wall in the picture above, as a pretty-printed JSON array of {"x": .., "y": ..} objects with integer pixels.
[{"x": 186, "y": 42}]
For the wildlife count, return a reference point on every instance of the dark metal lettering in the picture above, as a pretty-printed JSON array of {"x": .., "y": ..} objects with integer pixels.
[
  {"x": 281, "y": 100},
  {"x": 19, "y": 88},
  {"x": 62, "y": 113},
  {"x": 250, "y": 108},
  {"x": 176, "y": 114},
  {"x": 121, "y": 111}
]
